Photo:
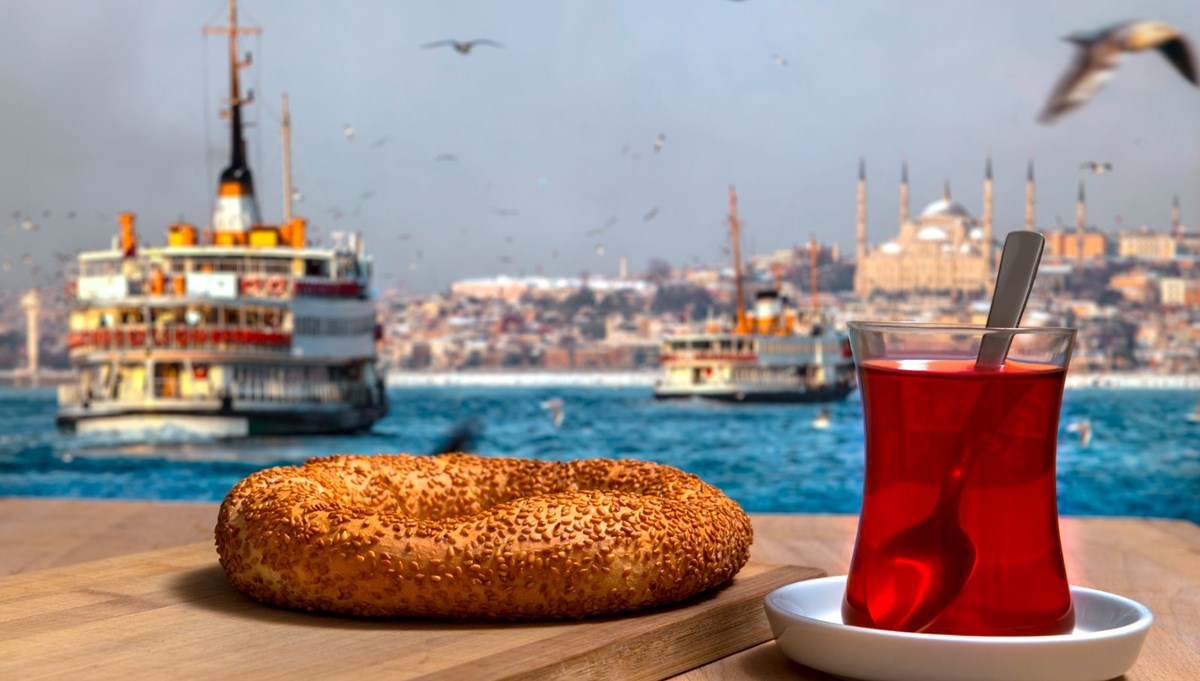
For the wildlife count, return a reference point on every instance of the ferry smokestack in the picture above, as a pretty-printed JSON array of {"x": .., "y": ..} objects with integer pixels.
[{"x": 128, "y": 236}]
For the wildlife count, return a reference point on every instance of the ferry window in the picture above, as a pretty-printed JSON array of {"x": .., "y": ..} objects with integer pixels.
[
  {"x": 702, "y": 345},
  {"x": 315, "y": 268}
]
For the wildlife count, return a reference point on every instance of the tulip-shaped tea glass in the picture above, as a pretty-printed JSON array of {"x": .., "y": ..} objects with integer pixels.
[{"x": 959, "y": 526}]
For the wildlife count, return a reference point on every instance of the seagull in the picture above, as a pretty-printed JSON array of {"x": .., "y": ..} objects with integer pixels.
[
  {"x": 1097, "y": 168},
  {"x": 660, "y": 142},
  {"x": 348, "y": 131},
  {"x": 1084, "y": 428},
  {"x": 449, "y": 158},
  {"x": 778, "y": 59},
  {"x": 650, "y": 214},
  {"x": 506, "y": 212},
  {"x": 554, "y": 405},
  {"x": 461, "y": 47},
  {"x": 597, "y": 231},
  {"x": 1100, "y": 51},
  {"x": 822, "y": 420}
]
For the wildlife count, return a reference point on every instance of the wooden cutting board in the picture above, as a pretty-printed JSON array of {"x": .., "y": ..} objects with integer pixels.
[{"x": 172, "y": 614}]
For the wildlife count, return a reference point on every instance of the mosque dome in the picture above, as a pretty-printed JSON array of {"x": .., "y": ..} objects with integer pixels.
[
  {"x": 932, "y": 233},
  {"x": 945, "y": 207}
]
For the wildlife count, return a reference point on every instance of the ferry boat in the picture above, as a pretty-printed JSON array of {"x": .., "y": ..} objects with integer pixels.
[
  {"x": 241, "y": 328},
  {"x": 770, "y": 354}
]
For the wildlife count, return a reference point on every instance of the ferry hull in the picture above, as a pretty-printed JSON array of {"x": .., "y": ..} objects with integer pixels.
[
  {"x": 831, "y": 393},
  {"x": 283, "y": 420}
]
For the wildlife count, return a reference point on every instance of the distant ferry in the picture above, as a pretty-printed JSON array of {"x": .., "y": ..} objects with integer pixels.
[
  {"x": 234, "y": 330},
  {"x": 768, "y": 356}
]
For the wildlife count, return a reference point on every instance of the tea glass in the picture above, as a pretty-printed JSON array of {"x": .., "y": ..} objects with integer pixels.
[{"x": 959, "y": 526}]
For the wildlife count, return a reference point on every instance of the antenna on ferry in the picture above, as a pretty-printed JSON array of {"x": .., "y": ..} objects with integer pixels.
[
  {"x": 735, "y": 230},
  {"x": 236, "y": 208},
  {"x": 286, "y": 133}
]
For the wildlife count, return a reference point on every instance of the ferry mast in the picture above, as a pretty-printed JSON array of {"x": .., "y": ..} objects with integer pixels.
[{"x": 236, "y": 209}]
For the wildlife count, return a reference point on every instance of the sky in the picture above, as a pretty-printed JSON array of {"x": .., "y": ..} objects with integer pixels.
[{"x": 113, "y": 106}]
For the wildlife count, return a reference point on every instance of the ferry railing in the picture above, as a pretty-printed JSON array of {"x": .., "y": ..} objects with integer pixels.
[
  {"x": 258, "y": 282},
  {"x": 217, "y": 338},
  {"x": 172, "y": 389},
  {"x": 118, "y": 391},
  {"x": 274, "y": 390}
]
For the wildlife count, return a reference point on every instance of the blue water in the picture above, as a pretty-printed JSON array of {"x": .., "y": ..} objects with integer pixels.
[{"x": 1143, "y": 459}]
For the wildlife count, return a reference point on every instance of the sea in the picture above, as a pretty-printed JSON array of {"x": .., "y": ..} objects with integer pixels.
[{"x": 1142, "y": 457}]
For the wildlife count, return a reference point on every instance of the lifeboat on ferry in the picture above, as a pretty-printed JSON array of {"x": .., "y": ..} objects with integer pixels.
[
  {"x": 250, "y": 285},
  {"x": 276, "y": 286}
]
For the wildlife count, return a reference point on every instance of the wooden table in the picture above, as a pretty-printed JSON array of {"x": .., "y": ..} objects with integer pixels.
[{"x": 1156, "y": 562}]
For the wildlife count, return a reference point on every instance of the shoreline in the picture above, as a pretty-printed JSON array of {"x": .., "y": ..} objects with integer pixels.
[
  {"x": 607, "y": 379},
  {"x": 646, "y": 379}
]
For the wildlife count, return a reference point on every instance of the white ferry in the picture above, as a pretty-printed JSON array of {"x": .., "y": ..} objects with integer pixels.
[
  {"x": 770, "y": 355},
  {"x": 241, "y": 328}
]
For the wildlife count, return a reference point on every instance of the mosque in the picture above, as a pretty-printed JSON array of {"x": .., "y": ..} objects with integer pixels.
[{"x": 944, "y": 249}]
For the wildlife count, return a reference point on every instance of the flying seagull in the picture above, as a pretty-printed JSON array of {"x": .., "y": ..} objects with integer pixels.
[
  {"x": 1097, "y": 167},
  {"x": 461, "y": 47},
  {"x": 1098, "y": 56}
]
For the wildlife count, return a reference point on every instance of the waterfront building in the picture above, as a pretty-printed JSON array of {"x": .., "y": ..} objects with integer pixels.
[
  {"x": 1147, "y": 245},
  {"x": 513, "y": 289},
  {"x": 1137, "y": 286},
  {"x": 1065, "y": 245}
]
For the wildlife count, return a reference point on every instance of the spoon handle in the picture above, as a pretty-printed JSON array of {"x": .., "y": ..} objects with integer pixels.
[{"x": 1018, "y": 266}]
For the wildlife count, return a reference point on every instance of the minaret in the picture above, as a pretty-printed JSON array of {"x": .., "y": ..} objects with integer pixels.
[
  {"x": 903, "y": 194},
  {"x": 860, "y": 231},
  {"x": 236, "y": 208},
  {"x": 1029, "y": 197},
  {"x": 1176, "y": 225},
  {"x": 988, "y": 227},
  {"x": 946, "y": 190},
  {"x": 1080, "y": 224},
  {"x": 31, "y": 303},
  {"x": 736, "y": 239}
]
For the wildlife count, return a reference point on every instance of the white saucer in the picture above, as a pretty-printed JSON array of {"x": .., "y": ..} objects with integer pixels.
[{"x": 806, "y": 618}]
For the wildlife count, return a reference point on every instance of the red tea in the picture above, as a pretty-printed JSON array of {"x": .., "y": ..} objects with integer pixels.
[{"x": 921, "y": 416}]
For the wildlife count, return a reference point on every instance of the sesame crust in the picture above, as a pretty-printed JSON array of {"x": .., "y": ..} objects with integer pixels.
[{"x": 462, "y": 536}]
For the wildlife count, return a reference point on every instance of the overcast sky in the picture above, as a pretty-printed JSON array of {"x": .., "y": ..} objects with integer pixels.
[{"x": 112, "y": 106}]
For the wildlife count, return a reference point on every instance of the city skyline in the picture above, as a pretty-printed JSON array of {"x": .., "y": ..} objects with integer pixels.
[{"x": 592, "y": 132}]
